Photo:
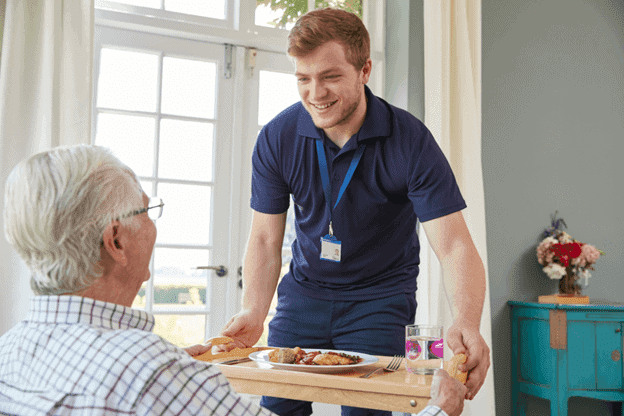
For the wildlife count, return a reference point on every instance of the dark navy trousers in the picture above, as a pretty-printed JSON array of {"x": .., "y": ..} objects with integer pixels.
[{"x": 375, "y": 327}]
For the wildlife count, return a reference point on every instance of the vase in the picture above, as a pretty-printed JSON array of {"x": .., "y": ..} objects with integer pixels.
[
  {"x": 570, "y": 288},
  {"x": 571, "y": 284}
]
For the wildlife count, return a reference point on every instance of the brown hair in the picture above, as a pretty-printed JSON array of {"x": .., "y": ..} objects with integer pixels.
[{"x": 318, "y": 27}]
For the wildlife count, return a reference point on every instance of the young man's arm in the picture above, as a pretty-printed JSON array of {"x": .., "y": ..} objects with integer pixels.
[
  {"x": 261, "y": 269},
  {"x": 463, "y": 269}
]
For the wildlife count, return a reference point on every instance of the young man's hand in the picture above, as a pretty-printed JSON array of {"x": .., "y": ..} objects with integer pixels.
[{"x": 463, "y": 339}]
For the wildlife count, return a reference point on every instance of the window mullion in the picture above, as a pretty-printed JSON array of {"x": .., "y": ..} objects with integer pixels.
[{"x": 149, "y": 304}]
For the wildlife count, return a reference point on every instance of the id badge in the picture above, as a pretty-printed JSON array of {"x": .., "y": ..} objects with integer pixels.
[{"x": 330, "y": 249}]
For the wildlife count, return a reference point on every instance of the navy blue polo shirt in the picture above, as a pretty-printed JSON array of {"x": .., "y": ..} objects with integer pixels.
[{"x": 403, "y": 175}]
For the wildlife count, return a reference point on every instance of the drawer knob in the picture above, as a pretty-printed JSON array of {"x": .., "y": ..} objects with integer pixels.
[
  {"x": 615, "y": 355},
  {"x": 617, "y": 331},
  {"x": 413, "y": 403}
]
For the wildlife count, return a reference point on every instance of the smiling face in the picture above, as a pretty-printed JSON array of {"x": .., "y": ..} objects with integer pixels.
[{"x": 332, "y": 90}]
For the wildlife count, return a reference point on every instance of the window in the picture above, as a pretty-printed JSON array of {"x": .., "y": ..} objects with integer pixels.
[{"x": 174, "y": 90}]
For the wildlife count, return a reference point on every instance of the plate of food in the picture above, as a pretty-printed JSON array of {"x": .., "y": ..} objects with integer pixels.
[{"x": 313, "y": 360}]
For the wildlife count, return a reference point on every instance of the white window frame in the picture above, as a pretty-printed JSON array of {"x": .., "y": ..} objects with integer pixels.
[{"x": 237, "y": 29}]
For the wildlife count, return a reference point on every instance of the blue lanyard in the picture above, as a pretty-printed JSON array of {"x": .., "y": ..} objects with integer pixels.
[{"x": 320, "y": 153}]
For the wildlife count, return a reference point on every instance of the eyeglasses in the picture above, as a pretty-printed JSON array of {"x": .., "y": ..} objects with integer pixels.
[{"x": 155, "y": 204}]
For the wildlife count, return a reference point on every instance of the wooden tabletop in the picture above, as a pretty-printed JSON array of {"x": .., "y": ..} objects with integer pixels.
[{"x": 399, "y": 391}]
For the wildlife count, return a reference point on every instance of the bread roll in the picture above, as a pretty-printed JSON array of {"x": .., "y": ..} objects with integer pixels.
[
  {"x": 235, "y": 353},
  {"x": 452, "y": 367},
  {"x": 219, "y": 341}
]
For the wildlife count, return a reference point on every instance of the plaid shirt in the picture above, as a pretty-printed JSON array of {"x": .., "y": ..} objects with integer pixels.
[
  {"x": 432, "y": 411},
  {"x": 79, "y": 356}
]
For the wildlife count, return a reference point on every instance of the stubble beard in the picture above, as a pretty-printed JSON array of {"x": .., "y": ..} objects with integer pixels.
[{"x": 346, "y": 115}]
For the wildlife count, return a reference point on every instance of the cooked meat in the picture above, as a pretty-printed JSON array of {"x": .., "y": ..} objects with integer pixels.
[
  {"x": 299, "y": 356},
  {"x": 331, "y": 359}
]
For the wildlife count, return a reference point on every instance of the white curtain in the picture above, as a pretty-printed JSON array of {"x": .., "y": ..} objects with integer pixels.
[
  {"x": 453, "y": 113},
  {"x": 45, "y": 90}
]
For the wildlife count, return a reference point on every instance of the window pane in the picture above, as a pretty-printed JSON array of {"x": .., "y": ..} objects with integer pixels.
[
  {"x": 127, "y": 80},
  {"x": 283, "y": 15},
  {"x": 185, "y": 150},
  {"x": 176, "y": 284},
  {"x": 181, "y": 330},
  {"x": 289, "y": 238},
  {"x": 186, "y": 216},
  {"x": 148, "y": 187},
  {"x": 278, "y": 90},
  {"x": 207, "y": 8},
  {"x": 153, "y": 4},
  {"x": 279, "y": 14},
  {"x": 131, "y": 138},
  {"x": 189, "y": 87}
]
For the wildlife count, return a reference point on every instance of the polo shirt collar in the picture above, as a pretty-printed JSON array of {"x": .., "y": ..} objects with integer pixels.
[{"x": 376, "y": 123}]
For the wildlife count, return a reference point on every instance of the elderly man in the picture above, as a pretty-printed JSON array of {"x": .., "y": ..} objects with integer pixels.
[{"x": 78, "y": 217}]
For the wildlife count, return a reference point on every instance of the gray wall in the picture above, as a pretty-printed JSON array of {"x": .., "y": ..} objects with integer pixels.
[{"x": 553, "y": 136}]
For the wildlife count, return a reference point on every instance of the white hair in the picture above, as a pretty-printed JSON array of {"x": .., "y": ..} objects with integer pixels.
[{"x": 57, "y": 205}]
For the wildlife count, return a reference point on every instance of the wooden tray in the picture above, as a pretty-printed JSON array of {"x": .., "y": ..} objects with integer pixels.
[
  {"x": 208, "y": 356},
  {"x": 564, "y": 299},
  {"x": 399, "y": 391}
]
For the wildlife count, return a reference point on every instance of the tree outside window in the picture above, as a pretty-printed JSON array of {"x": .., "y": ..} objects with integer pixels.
[{"x": 290, "y": 10}]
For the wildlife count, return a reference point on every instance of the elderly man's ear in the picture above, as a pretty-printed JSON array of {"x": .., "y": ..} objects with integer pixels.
[{"x": 115, "y": 238}]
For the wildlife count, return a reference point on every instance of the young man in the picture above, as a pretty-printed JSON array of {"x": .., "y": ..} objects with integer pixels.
[{"x": 360, "y": 173}]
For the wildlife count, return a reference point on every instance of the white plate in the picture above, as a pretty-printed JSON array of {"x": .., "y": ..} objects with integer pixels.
[{"x": 262, "y": 358}]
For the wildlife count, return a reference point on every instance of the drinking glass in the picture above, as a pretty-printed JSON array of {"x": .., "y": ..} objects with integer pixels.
[{"x": 424, "y": 348}]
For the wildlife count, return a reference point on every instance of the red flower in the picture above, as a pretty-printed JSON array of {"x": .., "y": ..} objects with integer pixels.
[{"x": 568, "y": 251}]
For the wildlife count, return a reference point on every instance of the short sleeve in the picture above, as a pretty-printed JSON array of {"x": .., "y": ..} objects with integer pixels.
[
  {"x": 269, "y": 191},
  {"x": 432, "y": 186}
]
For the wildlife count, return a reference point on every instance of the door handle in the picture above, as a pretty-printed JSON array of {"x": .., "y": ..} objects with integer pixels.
[{"x": 219, "y": 270}]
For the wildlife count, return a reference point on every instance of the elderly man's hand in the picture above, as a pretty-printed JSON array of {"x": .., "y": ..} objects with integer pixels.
[
  {"x": 465, "y": 339},
  {"x": 197, "y": 349},
  {"x": 447, "y": 393}
]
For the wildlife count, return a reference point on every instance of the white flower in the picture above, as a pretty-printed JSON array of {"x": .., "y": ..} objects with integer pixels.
[
  {"x": 550, "y": 241},
  {"x": 565, "y": 238},
  {"x": 555, "y": 271}
]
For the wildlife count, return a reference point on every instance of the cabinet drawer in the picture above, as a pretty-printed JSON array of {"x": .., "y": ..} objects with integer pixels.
[{"x": 595, "y": 316}]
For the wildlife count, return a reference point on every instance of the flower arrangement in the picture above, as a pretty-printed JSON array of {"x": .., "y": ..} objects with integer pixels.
[{"x": 564, "y": 258}]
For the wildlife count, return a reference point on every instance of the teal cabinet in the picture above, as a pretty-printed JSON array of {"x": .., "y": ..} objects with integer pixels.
[{"x": 560, "y": 351}]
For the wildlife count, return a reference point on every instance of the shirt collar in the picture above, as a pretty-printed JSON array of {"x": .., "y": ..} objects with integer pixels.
[
  {"x": 377, "y": 122},
  {"x": 80, "y": 310}
]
